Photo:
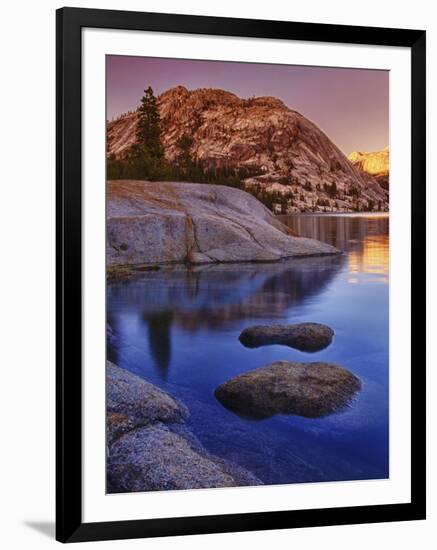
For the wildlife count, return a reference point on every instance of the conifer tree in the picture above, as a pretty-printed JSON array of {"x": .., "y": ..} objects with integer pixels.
[{"x": 148, "y": 126}]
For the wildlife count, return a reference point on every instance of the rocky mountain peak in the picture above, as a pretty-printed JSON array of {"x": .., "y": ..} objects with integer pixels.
[
  {"x": 375, "y": 163},
  {"x": 281, "y": 154}
]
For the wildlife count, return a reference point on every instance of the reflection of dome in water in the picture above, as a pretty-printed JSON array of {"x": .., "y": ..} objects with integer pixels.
[
  {"x": 273, "y": 298},
  {"x": 219, "y": 295}
]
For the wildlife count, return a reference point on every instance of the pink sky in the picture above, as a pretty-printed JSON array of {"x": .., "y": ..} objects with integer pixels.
[{"x": 349, "y": 105}]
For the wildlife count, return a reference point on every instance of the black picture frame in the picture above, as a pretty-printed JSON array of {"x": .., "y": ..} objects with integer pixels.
[{"x": 69, "y": 525}]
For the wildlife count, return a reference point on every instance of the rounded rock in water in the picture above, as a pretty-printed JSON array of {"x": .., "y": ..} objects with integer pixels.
[
  {"x": 306, "y": 389},
  {"x": 302, "y": 336}
]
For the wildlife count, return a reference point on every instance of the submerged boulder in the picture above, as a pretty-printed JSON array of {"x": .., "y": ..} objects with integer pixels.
[
  {"x": 305, "y": 389},
  {"x": 155, "y": 458},
  {"x": 301, "y": 336},
  {"x": 151, "y": 223}
]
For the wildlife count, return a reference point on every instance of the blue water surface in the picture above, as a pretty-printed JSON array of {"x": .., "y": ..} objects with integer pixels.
[{"x": 178, "y": 328}]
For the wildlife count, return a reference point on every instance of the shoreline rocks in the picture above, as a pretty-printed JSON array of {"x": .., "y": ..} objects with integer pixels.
[
  {"x": 302, "y": 336},
  {"x": 132, "y": 402},
  {"x": 156, "y": 458},
  {"x": 311, "y": 390},
  {"x": 150, "y": 448},
  {"x": 152, "y": 223}
]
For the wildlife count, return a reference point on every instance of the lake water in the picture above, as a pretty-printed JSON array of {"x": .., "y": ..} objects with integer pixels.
[{"x": 179, "y": 328}]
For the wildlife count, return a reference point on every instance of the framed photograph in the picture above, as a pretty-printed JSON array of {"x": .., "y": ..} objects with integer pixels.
[{"x": 240, "y": 274}]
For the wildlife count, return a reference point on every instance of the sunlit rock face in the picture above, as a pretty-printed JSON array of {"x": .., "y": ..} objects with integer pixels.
[
  {"x": 166, "y": 222},
  {"x": 279, "y": 150},
  {"x": 376, "y": 163}
]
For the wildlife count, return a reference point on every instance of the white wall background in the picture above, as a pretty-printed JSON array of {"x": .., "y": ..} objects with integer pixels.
[{"x": 27, "y": 230}]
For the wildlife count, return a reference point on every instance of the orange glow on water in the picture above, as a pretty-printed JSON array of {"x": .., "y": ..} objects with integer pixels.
[{"x": 372, "y": 258}]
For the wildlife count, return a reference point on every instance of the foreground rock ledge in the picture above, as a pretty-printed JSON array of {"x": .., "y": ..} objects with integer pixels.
[
  {"x": 151, "y": 223},
  {"x": 132, "y": 402},
  {"x": 155, "y": 458},
  {"x": 150, "y": 448},
  {"x": 306, "y": 389},
  {"x": 301, "y": 336}
]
